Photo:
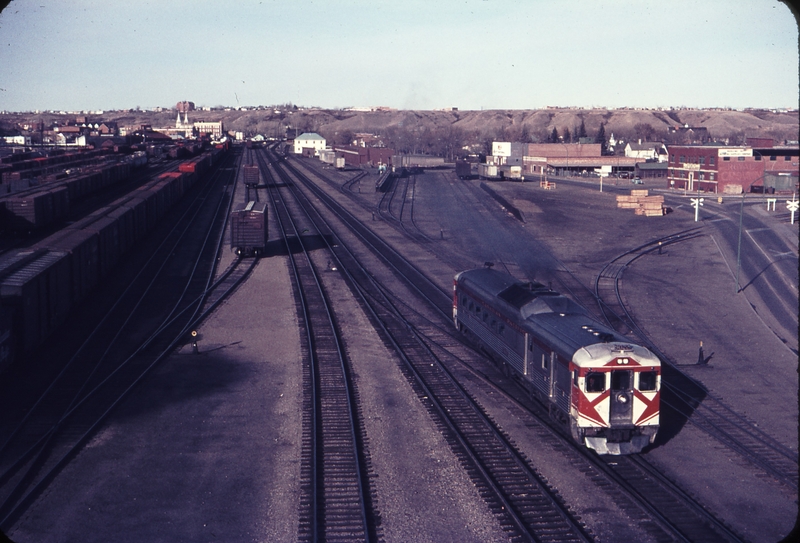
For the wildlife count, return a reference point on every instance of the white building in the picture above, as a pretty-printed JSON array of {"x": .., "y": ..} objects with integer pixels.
[
  {"x": 17, "y": 140},
  {"x": 309, "y": 140},
  {"x": 214, "y": 128},
  {"x": 647, "y": 151}
]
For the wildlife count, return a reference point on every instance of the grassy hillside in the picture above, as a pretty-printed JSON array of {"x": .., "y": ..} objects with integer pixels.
[
  {"x": 516, "y": 125},
  {"x": 443, "y": 132}
]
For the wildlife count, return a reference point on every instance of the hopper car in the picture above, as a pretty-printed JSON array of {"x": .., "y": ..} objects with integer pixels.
[{"x": 41, "y": 284}]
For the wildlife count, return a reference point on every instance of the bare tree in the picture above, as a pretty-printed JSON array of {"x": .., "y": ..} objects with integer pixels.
[
  {"x": 452, "y": 140},
  {"x": 643, "y": 131}
]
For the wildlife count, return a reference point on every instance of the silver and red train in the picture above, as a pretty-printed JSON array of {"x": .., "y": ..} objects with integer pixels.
[{"x": 605, "y": 388}]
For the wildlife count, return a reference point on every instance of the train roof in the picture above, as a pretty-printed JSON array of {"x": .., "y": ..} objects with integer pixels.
[
  {"x": 560, "y": 322},
  {"x": 526, "y": 299}
]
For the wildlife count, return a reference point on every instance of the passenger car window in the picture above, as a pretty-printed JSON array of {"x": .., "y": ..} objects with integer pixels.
[
  {"x": 595, "y": 382},
  {"x": 647, "y": 380}
]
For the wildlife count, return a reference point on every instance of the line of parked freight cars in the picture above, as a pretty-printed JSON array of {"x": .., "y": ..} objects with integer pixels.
[
  {"x": 49, "y": 203},
  {"x": 11, "y": 168},
  {"x": 41, "y": 284},
  {"x": 30, "y": 208}
]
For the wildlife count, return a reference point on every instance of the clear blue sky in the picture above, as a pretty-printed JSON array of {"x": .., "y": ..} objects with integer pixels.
[{"x": 409, "y": 54}]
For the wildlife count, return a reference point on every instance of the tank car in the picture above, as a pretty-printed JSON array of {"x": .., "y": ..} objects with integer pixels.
[{"x": 599, "y": 384}]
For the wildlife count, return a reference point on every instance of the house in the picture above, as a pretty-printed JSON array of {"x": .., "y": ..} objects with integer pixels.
[
  {"x": 690, "y": 134},
  {"x": 649, "y": 150},
  {"x": 309, "y": 140},
  {"x": 108, "y": 128},
  {"x": 17, "y": 140}
]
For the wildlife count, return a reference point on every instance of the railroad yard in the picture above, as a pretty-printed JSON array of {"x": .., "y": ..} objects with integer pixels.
[{"x": 322, "y": 392}]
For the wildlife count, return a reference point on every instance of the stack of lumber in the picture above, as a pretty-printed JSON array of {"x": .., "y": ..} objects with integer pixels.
[{"x": 641, "y": 203}]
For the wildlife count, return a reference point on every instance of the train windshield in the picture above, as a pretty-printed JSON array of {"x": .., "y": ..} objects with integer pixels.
[
  {"x": 595, "y": 382},
  {"x": 647, "y": 380},
  {"x": 620, "y": 380}
]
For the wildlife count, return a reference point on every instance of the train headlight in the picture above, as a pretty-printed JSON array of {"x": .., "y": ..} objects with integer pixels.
[{"x": 622, "y": 398}]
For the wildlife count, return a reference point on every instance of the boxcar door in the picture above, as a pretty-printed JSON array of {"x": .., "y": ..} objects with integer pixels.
[{"x": 621, "y": 410}]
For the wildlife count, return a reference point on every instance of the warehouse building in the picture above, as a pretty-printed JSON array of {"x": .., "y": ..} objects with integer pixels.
[
  {"x": 559, "y": 158},
  {"x": 364, "y": 156}
]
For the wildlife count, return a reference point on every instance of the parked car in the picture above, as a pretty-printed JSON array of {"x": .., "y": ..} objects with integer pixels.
[{"x": 636, "y": 180}]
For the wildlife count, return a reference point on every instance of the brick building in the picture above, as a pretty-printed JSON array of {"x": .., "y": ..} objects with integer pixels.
[
  {"x": 364, "y": 156},
  {"x": 561, "y": 158},
  {"x": 729, "y": 170}
]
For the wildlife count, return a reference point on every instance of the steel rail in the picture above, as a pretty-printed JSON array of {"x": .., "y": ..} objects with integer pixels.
[
  {"x": 335, "y": 462},
  {"x": 476, "y": 435},
  {"x": 729, "y": 427}
]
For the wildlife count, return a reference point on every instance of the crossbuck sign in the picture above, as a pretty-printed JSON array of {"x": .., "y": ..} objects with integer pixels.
[
  {"x": 792, "y": 205},
  {"x": 696, "y": 203}
]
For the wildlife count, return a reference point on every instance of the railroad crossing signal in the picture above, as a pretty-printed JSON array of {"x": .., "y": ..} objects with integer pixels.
[
  {"x": 696, "y": 203},
  {"x": 792, "y": 205}
]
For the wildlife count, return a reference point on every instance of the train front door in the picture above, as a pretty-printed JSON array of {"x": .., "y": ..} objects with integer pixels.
[{"x": 621, "y": 411}]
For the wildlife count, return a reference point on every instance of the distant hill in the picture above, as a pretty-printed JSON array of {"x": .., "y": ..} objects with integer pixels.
[
  {"x": 442, "y": 132},
  {"x": 511, "y": 125}
]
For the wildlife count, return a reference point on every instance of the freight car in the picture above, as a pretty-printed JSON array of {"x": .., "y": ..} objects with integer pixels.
[
  {"x": 600, "y": 385},
  {"x": 249, "y": 228},
  {"x": 465, "y": 170},
  {"x": 251, "y": 174},
  {"x": 488, "y": 171},
  {"x": 41, "y": 284}
]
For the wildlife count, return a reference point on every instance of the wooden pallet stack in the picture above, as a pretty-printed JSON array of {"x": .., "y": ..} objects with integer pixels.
[{"x": 641, "y": 203}]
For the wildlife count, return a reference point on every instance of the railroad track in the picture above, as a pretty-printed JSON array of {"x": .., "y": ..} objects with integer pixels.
[
  {"x": 335, "y": 502},
  {"x": 701, "y": 408},
  {"x": 395, "y": 212},
  {"x": 352, "y": 182},
  {"x": 527, "y": 508},
  {"x": 106, "y": 365},
  {"x": 659, "y": 506},
  {"x": 667, "y": 511}
]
